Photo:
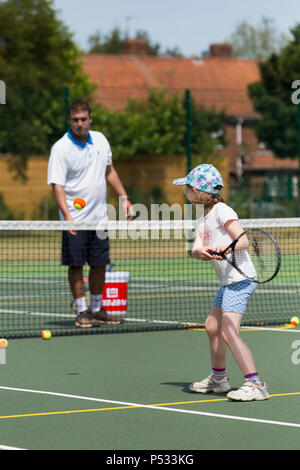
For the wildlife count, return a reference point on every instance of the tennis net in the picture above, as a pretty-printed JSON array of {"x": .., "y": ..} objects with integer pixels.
[{"x": 154, "y": 282}]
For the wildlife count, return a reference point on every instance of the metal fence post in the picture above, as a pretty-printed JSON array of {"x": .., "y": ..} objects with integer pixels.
[
  {"x": 67, "y": 106},
  {"x": 188, "y": 109}
]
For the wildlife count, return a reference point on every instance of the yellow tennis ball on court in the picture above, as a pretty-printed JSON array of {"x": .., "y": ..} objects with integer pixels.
[
  {"x": 295, "y": 321},
  {"x": 3, "y": 343},
  {"x": 79, "y": 203},
  {"x": 46, "y": 334}
]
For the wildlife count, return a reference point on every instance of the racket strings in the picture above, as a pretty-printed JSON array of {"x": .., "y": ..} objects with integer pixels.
[{"x": 262, "y": 256}]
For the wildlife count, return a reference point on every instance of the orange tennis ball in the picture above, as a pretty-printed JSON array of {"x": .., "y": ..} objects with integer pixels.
[
  {"x": 79, "y": 203},
  {"x": 295, "y": 321},
  {"x": 46, "y": 334},
  {"x": 3, "y": 343}
]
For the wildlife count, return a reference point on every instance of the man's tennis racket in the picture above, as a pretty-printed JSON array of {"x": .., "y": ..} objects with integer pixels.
[{"x": 255, "y": 254}]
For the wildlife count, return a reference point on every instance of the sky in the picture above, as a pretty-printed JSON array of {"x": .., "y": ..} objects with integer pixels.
[{"x": 190, "y": 25}]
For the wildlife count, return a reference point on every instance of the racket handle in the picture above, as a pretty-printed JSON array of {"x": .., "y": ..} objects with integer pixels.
[
  {"x": 212, "y": 252},
  {"x": 110, "y": 267}
]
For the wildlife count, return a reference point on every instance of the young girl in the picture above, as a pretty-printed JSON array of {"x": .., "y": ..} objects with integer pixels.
[{"x": 215, "y": 231}]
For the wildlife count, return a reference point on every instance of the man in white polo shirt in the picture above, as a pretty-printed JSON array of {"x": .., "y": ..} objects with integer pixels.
[{"x": 80, "y": 165}]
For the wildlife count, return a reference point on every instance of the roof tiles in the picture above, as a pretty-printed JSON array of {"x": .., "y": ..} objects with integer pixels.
[{"x": 216, "y": 82}]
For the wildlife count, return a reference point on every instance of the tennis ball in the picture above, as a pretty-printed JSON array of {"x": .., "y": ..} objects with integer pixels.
[
  {"x": 3, "y": 343},
  {"x": 295, "y": 321},
  {"x": 79, "y": 203},
  {"x": 46, "y": 334}
]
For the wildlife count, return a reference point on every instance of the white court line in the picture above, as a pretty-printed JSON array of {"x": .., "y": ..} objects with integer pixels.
[
  {"x": 32, "y": 280},
  {"x": 157, "y": 407},
  {"x": 286, "y": 330},
  {"x": 72, "y": 315},
  {"x": 10, "y": 448},
  {"x": 41, "y": 314}
]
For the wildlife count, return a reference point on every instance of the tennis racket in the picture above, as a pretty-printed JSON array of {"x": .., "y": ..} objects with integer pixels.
[{"x": 255, "y": 254}]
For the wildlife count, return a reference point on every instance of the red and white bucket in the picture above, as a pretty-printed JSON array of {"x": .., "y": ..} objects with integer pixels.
[{"x": 115, "y": 292}]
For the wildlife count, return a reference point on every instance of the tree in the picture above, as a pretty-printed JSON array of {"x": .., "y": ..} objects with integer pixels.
[
  {"x": 157, "y": 126},
  {"x": 38, "y": 59},
  {"x": 6, "y": 212},
  {"x": 278, "y": 127},
  {"x": 146, "y": 127},
  {"x": 257, "y": 42},
  {"x": 113, "y": 43}
]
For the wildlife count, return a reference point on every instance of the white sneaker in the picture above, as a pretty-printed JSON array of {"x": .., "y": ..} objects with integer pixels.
[
  {"x": 249, "y": 391},
  {"x": 210, "y": 385}
]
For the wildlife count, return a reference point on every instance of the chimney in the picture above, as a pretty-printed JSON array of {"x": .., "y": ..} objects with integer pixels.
[
  {"x": 136, "y": 46},
  {"x": 220, "y": 50}
]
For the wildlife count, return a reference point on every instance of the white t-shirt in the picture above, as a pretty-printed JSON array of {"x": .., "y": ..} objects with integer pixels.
[
  {"x": 213, "y": 234},
  {"x": 81, "y": 168}
]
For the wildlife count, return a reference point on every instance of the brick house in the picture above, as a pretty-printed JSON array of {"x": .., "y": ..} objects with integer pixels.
[{"x": 218, "y": 81}]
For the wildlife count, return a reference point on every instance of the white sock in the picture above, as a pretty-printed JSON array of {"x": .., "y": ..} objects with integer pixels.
[
  {"x": 96, "y": 302},
  {"x": 81, "y": 305}
]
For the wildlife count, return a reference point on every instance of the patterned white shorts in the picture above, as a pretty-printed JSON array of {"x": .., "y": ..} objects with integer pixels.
[{"x": 234, "y": 297}]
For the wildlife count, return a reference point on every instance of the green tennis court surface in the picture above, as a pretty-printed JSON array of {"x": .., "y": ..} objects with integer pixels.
[{"x": 130, "y": 392}]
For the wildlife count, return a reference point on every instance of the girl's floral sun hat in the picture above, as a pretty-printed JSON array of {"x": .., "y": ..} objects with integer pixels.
[{"x": 204, "y": 177}]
